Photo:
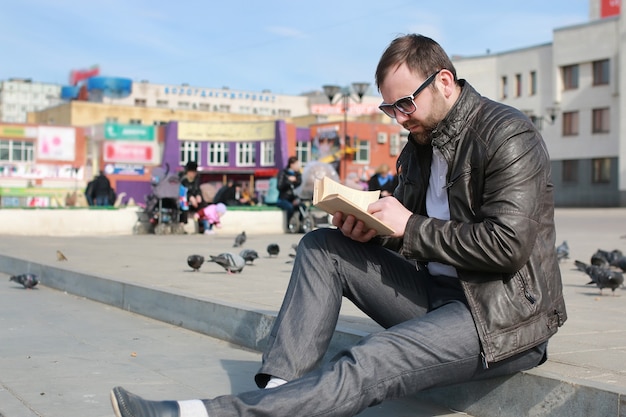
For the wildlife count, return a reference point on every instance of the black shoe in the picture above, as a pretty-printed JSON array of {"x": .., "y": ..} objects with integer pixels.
[{"x": 126, "y": 404}]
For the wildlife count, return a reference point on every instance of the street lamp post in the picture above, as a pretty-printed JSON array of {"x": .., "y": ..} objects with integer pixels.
[{"x": 345, "y": 95}]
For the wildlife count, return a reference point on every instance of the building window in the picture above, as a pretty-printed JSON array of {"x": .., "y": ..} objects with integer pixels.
[
  {"x": 188, "y": 152},
  {"x": 394, "y": 144},
  {"x": 303, "y": 152},
  {"x": 570, "y": 171},
  {"x": 141, "y": 102},
  {"x": 135, "y": 121},
  {"x": 362, "y": 154},
  {"x": 218, "y": 154},
  {"x": 504, "y": 87},
  {"x": 17, "y": 151},
  {"x": 161, "y": 103},
  {"x": 110, "y": 120},
  {"x": 601, "y": 120},
  {"x": 601, "y": 171},
  {"x": 570, "y": 123},
  {"x": 204, "y": 106},
  {"x": 246, "y": 155},
  {"x": 570, "y": 77},
  {"x": 267, "y": 153},
  {"x": 183, "y": 104},
  {"x": 601, "y": 72},
  {"x": 518, "y": 85}
]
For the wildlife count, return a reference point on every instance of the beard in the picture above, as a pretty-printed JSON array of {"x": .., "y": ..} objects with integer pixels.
[{"x": 438, "y": 111}]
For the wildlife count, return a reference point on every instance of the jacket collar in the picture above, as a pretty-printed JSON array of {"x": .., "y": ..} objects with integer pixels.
[{"x": 448, "y": 129}]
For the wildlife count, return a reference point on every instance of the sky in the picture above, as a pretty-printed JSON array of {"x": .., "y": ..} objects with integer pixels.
[{"x": 286, "y": 46}]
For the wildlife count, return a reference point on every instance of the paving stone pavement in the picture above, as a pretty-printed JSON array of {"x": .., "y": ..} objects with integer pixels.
[
  {"x": 587, "y": 355},
  {"x": 61, "y": 355}
]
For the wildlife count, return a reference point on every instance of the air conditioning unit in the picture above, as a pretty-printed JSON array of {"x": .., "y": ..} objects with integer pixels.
[{"x": 381, "y": 138}]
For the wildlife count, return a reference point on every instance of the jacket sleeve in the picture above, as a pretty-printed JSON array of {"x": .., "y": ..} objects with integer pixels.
[
  {"x": 495, "y": 207},
  {"x": 282, "y": 183}
]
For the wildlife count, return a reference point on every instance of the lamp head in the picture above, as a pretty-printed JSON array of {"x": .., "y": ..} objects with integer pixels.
[
  {"x": 552, "y": 112},
  {"x": 360, "y": 89},
  {"x": 331, "y": 91}
]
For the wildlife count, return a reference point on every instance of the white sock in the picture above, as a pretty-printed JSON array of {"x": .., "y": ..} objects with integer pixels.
[
  {"x": 192, "y": 408},
  {"x": 275, "y": 382}
]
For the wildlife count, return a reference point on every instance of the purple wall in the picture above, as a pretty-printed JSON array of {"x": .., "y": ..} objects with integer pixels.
[
  {"x": 138, "y": 190},
  {"x": 171, "y": 151}
]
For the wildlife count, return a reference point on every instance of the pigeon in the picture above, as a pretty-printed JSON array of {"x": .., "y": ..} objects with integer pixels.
[
  {"x": 609, "y": 258},
  {"x": 60, "y": 256},
  {"x": 27, "y": 280},
  {"x": 562, "y": 251},
  {"x": 600, "y": 259},
  {"x": 620, "y": 263},
  {"x": 249, "y": 255},
  {"x": 240, "y": 239},
  {"x": 294, "y": 246},
  {"x": 602, "y": 277},
  {"x": 273, "y": 249},
  {"x": 231, "y": 262},
  {"x": 195, "y": 262}
]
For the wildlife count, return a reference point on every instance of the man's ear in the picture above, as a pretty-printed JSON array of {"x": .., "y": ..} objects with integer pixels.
[{"x": 446, "y": 79}]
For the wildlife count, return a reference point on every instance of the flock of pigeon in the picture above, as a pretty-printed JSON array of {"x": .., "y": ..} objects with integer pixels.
[
  {"x": 232, "y": 262},
  {"x": 605, "y": 268}
]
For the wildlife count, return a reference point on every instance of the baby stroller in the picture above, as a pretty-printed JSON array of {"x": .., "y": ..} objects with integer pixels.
[
  {"x": 162, "y": 212},
  {"x": 307, "y": 217}
]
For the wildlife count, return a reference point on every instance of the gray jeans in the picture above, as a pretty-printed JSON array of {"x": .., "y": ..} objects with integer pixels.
[{"x": 429, "y": 338}]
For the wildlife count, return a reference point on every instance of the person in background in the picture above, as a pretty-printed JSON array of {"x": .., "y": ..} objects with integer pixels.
[
  {"x": 191, "y": 195},
  {"x": 247, "y": 197},
  {"x": 219, "y": 195},
  {"x": 210, "y": 216},
  {"x": 233, "y": 194},
  {"x": 468, "y": 287},
  {"x": 89, "y": 192},
  {"x": 383, "y": 180},
  {"x": 101, "y": 191},
  {"x": 288, "y": 180},
  {"x": 353, "y": 181}
]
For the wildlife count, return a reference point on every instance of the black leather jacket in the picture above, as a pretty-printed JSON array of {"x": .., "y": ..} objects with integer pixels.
[
  {"x": 286, "y": 188},
  {"x": 501, "y": 236}
]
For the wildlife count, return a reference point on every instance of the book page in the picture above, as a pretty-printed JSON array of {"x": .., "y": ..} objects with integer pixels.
[
  {"x": 338, "y": 197},
  {"x": 359, "y": 198}
]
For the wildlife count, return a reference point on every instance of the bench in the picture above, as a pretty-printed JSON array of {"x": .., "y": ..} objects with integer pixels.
[{"x": 94, "y": 221}]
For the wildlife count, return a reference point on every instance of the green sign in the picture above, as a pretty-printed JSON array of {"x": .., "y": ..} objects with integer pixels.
[{"x": 128, "y": 132}]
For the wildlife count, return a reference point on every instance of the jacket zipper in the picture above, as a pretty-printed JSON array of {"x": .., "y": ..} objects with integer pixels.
[{"x": 531, "y": 298}]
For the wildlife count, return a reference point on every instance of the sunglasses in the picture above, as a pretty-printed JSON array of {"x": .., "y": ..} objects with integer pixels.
[{"x": 406, "y": 105}]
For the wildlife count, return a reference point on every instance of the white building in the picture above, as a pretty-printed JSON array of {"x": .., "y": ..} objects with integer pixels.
[
  {"x": 572, "y": 90},
  {"x": 18, "y": 96},
  {"x": 222, "y": 100}
]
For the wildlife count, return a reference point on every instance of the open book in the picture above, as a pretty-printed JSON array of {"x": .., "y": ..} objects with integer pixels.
[{"x": 331, "y": 196}]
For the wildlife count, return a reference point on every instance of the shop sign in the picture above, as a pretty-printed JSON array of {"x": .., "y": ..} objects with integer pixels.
[
  {"x": 116, "y": 131},
  {"x": 130, "y": 152},
  {"x": 56, "y": 143},
  {"x": 14, "y": 131},
  {"x": 227, "y": 131},
  {"x": 128, "y": 169}
]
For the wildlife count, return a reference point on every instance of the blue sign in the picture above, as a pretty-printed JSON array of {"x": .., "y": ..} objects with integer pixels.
[{"x": 126, "y": 169}]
